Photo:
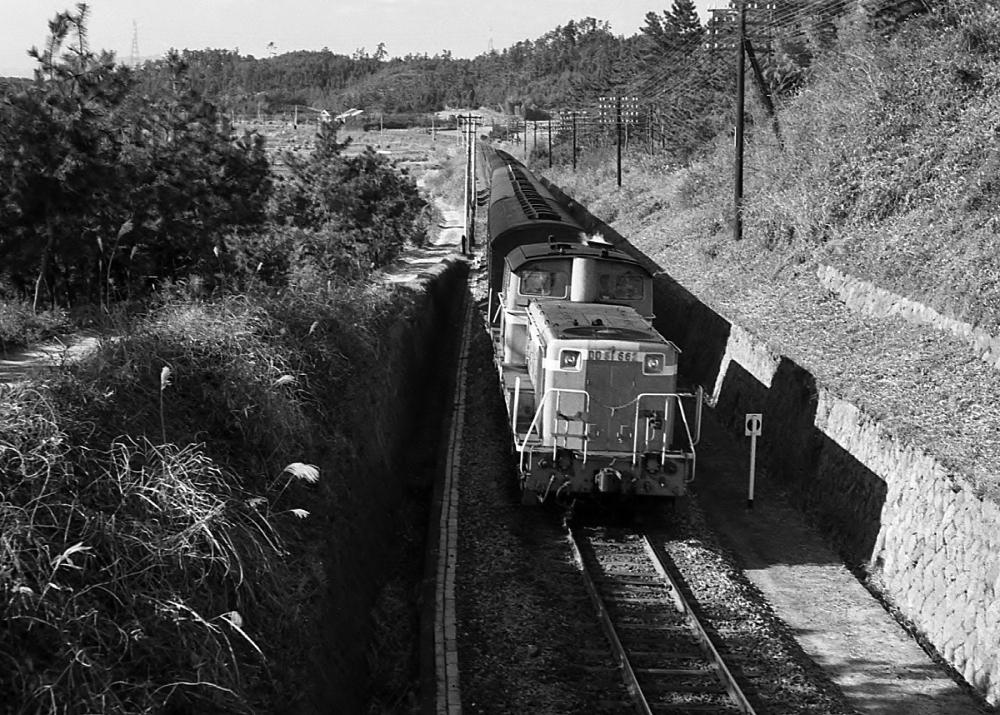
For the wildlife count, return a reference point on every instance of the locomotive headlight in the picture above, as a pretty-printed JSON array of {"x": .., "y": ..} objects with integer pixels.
[
  {"x": 569, "y": 360},
  {"x": 654, "y": 364}
]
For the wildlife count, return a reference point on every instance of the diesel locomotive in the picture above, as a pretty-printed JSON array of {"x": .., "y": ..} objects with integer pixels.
[{"x": 591, "y": 387}]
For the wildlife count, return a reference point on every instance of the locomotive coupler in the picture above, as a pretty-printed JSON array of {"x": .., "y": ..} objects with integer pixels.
[{"x": 608, "y": 480}]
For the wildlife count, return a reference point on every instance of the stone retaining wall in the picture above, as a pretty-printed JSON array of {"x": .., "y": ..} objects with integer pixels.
[
  {"x": 865, "y": 297},
  {"x": 889, "y": 506}
]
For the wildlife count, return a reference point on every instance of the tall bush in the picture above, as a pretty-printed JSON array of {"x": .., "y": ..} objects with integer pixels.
[
  {"x": 102, "y": 190},
  {"x": 354, "y": 211}
]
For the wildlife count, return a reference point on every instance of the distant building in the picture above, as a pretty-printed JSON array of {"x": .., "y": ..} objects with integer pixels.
[{"x": 349, "y": 114}]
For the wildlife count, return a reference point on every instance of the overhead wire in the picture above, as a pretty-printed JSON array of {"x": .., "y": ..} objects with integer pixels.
[{"x": 675, "y": 73}]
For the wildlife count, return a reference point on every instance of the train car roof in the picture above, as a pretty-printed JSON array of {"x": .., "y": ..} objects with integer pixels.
[
  {"x": 537, "y": 251},
  {"x": 564, "y": 320},
  {"x": 517, "y": 198}
]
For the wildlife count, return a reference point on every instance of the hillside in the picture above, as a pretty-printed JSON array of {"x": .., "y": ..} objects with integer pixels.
[{"x": 886, "y": 171}]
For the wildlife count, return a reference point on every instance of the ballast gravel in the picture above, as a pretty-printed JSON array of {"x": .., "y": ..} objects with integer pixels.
[{"x": 528, "y": 639}]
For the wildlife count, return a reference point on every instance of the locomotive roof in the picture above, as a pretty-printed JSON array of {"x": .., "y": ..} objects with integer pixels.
[
  {"x": 564, "y": 320},
  {"x": 535, "y": 251}
]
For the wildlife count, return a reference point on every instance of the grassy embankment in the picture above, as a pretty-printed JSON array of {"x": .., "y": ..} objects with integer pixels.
[
  {"x": 183, "y": 512},
  {"x": 888, "y": 170}
]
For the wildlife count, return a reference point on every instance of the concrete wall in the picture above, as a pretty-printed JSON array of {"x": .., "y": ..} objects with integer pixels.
[{"x": 889, "y": 506}]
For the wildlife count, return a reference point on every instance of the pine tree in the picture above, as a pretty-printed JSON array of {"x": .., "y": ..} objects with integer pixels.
[
  {"x": 60, "y": 152},
  {"x": 684, "y": 21}
]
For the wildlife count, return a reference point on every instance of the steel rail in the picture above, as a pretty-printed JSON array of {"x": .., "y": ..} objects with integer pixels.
[
  {"x": 628, "y": 674},
  {"x": 722, "y": 671},
  {"x": 660, "y": 563}
]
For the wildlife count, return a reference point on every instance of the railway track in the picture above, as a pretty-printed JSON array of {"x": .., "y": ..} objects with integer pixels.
[{"x": 666, "y": 658}]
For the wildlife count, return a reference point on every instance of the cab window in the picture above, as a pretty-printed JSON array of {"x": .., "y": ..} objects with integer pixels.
[
  {"x": 543, "y": 283},
  {"x": 625, "y": 286}
]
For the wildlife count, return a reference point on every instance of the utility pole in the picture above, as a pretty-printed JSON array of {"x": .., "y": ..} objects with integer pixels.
[
  {"x": 740, "y": 116},
  {"x": 574, "y": 141},
  {"x": 471, "y": 232},
  {"x": 471, "y": 123},
  {"x": 618, "y": 135},
  {"x": 626, "y": 110},
  {"x": 468, "y": 178},
  {"x": 649, "y": 130},
  {"x": 725, "y": 24},
  {"x": 550, "y": 141}
]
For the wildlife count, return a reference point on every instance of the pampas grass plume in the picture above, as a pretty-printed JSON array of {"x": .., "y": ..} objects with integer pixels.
[{"x": 303, "y": 471}]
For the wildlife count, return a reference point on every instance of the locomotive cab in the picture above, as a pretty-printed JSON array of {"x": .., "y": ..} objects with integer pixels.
[
  {"x": 601, "y": 412},
  {"x": 591, "y": 272}
]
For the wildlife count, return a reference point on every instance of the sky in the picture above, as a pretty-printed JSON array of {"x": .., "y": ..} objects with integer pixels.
[{"x": 465, "y": 27}]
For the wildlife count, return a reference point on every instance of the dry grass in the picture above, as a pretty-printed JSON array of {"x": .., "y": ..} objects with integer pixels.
[
  {"x": 162, "y": 523},
  {"x": 132, "y": 575}
]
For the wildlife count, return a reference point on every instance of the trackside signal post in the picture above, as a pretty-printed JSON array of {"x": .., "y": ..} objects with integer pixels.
[{"x": 753, "y": 425}]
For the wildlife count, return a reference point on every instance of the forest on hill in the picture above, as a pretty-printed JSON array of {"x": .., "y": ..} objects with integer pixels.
[
  {"x": 540, "y": 72},
  {"x": 678, "y": 70}
]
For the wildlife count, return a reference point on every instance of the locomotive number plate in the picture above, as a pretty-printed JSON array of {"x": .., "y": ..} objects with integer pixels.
[{"x": 613, "y": 355}]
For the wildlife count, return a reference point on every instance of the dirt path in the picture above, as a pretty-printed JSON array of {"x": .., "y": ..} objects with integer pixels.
[
  {"x": 447, "y": 241},
  {"x": 23, "y": 363}
]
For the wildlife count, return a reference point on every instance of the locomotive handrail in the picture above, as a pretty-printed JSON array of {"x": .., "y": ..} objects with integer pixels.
[
  {"x": 687, "y": 427},
  {"x": 692, "y": 441},
  {"x": 536, "y": 420},
  {"x": 499, "y": 308}
]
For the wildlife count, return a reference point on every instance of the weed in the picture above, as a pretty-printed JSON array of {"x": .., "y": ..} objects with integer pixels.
[{"x": 22, "y": 327}]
